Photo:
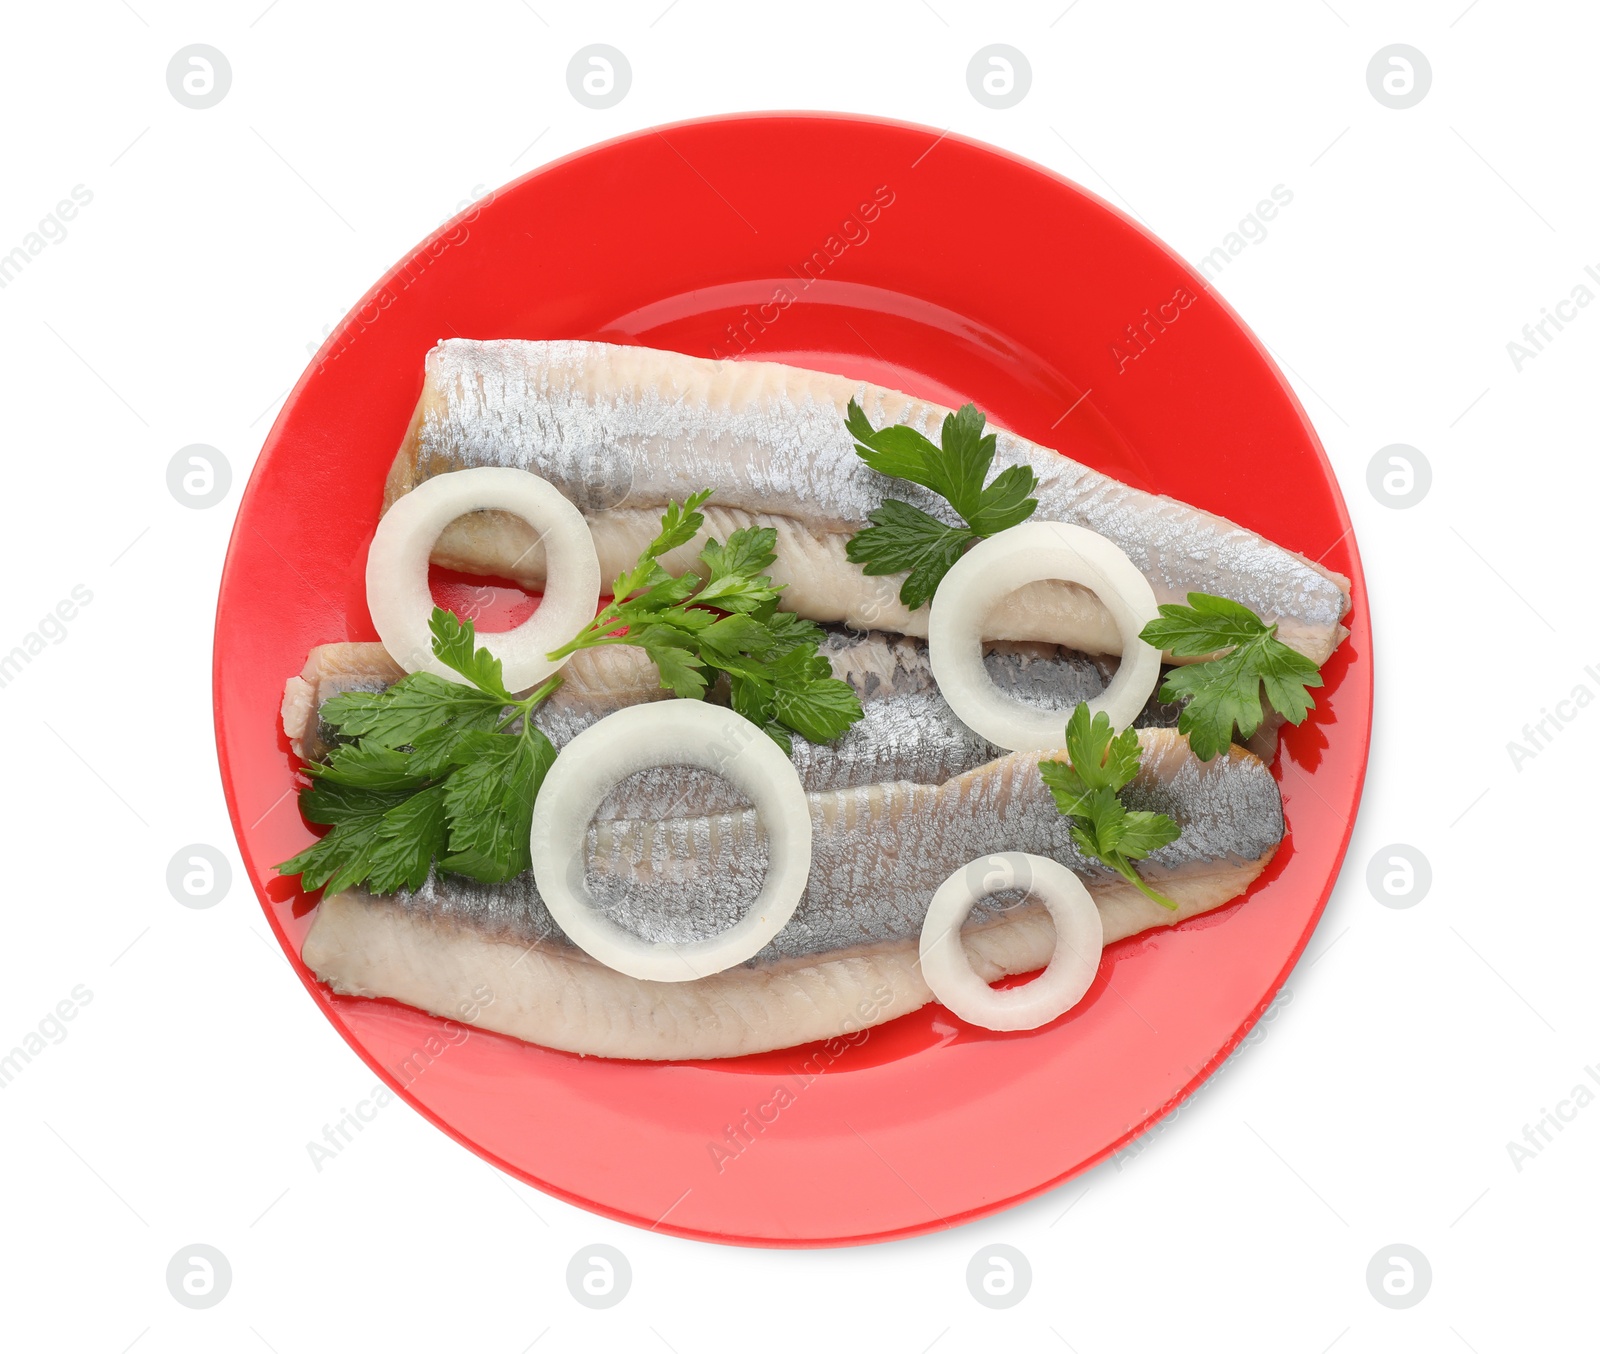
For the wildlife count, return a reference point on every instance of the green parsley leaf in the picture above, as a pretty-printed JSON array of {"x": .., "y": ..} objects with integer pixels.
[
  {"x": 409, "y": 836},
  {"x": 1247, "y": 664},
  {"x": 677, "y": 659},
  {"x": 1144, "y": 832},
  {"x": 904, "y": 538},
  {"x": 368, "y": 767},
  {"x": 343, "y": 857},
  {"x": 736, "y": 582},
  {"x": 1085, "y": 790},
  {"x": 789, "y": 631},
  {"x": 722, "y": 617},
  {"x": 490, "y": 804},
  {"x": 428, "y": 773},
  {"x": 386, "y": 847},
  {"x": 749, "y": 551},
  {"x": 751, "y": 692},
  {"x": 679, "y": 525},
  {"x": 416, "y": 707},
  {"x": 902, "y": 453},
  {"x": 1101, "y": 760},
  {"x": 328, "y": 802},
  {"x": 455, "y": 645},
  {"x": 809, "y": 699},
  {"x": 732, "y": 636},
  {"x": 968, "y": 454},
  {"x": 1006, "y": 502},
  {"x": 662, "y": 591}
]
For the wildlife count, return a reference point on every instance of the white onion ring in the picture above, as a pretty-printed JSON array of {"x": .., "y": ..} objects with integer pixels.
[
  {"x": 1004, "y": 563},
  {"x": 397, "y": 570},
  {"x": 669, "y": 733},
  {"x": 1080, "y": 937}
]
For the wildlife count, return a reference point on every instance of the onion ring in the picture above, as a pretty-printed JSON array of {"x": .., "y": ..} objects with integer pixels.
[
  {"x": 1080, "y": 937},
  {"x": 397, "y": 570},
  {"x": 1002, "y": 564},
  {"x": 668, "y": 733}
]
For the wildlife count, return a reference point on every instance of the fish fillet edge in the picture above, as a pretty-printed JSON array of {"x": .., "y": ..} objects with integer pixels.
[{"x": 560, "y": 998}]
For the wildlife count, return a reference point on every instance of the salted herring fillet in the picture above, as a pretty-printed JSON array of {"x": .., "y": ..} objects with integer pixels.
[
  {"x": 623, "y": 430},
  {"x": 663, "y": 830},
  {"x": 847, "y": 960},
  {"x": 907, "y": 730}
]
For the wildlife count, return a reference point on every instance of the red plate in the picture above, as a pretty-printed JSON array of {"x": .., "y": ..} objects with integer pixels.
[{"x": 928, "y": 263}]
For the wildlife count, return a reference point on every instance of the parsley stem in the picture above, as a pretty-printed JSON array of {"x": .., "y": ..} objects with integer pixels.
[
  {"x": 523, "y": 708},
  {"x": 592, "y": 644},
  {"x": 1123, "y": 866},
  {"x": 607, "y": 620}
]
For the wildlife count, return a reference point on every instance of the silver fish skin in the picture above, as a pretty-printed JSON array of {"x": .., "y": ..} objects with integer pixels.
[
  {"x": 623, "y": 430},
  {"x": 907, "y": 731},
  {"x": 879, "y": 851}
]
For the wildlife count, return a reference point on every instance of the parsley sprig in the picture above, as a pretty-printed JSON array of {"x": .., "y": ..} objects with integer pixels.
[
  {"x": 427, "y": 770},
  {"x": 1085, "y": 789},
  {"x": 905, "y": 539},
  {"x": 1247, "y": 664},
  {"x": 433, "y": 771},
  {"x": 1226, "y": 692},
  {"x": 722, "y": 617}
]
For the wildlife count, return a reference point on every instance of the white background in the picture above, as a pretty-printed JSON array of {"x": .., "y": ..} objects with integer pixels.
[{"x": 1375, "y": 1107}]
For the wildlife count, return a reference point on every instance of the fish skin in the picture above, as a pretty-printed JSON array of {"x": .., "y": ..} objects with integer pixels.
[
  {"x": 622, "y": 430},
  {"x": 879, "y": 851},
  {"x": 907, "y": 731},
  {"x": 594, "y": 682}
]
